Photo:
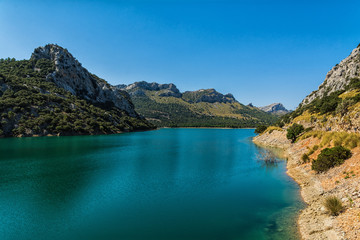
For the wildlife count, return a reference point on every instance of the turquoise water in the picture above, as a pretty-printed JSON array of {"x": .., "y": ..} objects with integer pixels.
[{"x": 164, "y": 184}]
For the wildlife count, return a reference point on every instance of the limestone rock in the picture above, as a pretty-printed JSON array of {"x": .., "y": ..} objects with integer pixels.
[
  {"x": 71, "y": 76},
  {"x": 338, "y": 77}
]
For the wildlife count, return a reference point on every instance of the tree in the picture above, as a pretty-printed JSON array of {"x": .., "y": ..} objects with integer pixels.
[
  {"x": 260, "y": 129},
  {"x": 330, "y": 157},
  {"x": 294, "y": 131}
]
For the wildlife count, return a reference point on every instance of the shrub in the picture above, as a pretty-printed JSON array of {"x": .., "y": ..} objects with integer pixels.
[
  {"x": 294, "y": 131},
  {"x": 260, "y": 129},
  {"x": 330, "y": 157},
  {"x": 305, "y": 158},
  {"x": 333, "y": 205}
]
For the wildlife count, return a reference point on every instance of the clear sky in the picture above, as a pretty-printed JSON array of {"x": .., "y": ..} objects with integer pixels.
[{"x": 260, "y": 51}]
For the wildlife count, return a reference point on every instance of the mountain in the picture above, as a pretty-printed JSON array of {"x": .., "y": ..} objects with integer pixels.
[
  {"x": 335, "y": 105},
  {"x": 275, "y": 108},
  {"x": 165, "y": 106},
  {"x": 52, "y": 94}
]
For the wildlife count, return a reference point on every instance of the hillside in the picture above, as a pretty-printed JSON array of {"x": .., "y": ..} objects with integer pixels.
[
  {"x": 165, "y": 105},
  {"x": 52, "y": 94},
  {"x": 324, "y": 158}
]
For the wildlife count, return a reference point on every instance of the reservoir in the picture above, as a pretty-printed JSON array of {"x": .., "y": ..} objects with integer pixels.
[{"x": 168, "y": 184}]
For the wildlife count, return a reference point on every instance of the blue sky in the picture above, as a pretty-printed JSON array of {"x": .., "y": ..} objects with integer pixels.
[{"x": 260, "y": 51}]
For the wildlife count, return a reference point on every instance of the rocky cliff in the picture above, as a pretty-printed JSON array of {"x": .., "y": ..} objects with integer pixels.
[
  {"x": 335, "y": 106},
  {"x": 138, "y": 88},
  {"x": 208, "y": 95},
  {"x": 52, "y": 94},
  {"x": 71, "y": 76},
  {"x": 338, "y": 77}
]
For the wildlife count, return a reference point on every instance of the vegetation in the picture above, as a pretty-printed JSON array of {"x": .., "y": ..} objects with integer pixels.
[
  {"x": 260, "y": 129},
  {"x": 176, "y": 112},
  {"x": 32, "y": 105},
  {"x": 294, "y": 131},
  {"x": 305, "y": 158},
  {"x": 335, "y": 103},
  {"x": 330, "y": 157},
  {"x": 334, "y": 205},
  {"x": 348, "y": 140},
  {"x": 273, "y": 128}
]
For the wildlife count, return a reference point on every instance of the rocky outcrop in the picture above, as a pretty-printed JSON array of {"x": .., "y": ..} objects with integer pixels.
[
  {"x": 208, "y": 95},
  {"x": 137, "y": 89},
  {"x": 275, "y": 108},
  {"x": 71, "y": 76},
  {"x": 338, "y": 77}
]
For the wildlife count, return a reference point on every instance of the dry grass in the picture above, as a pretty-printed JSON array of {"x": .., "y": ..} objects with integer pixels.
[
  {"x": 333, "y": 205},
  {"x": 272, "y": 128},
  {"x": 306, "y": 116},
  {"x": 348, "y": 140},
  {"x": 350, "y": 94}
]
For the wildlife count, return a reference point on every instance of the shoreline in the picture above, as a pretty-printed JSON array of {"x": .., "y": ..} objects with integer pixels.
[
  {"x": 206, "y": 127},
  {"x": 313, "y": 222}
]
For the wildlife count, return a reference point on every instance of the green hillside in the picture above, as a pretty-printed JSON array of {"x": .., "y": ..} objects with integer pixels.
[
  {"x": 164, "y": 106},
  {"x": 32, "y": 104}
]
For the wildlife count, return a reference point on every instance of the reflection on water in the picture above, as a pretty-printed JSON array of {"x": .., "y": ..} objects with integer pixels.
[{"x": 165, "y": 184}]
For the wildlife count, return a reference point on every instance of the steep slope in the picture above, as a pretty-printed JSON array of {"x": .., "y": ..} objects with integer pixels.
[
  {"x": 275, "y": 108},
  {"x": 52, "y": 94},
  {"x": 335, "y": 106},
  {"x": 165, "y": 105},
  {"x": 331, "y": 117},
  {"x": 338, "y": 78}
]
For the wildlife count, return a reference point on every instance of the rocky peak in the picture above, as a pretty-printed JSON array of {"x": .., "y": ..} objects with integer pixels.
[
  {"x": 137, "y": 88},
  {"x": 71, "y": 76},
  {"x": 208, "y": 95},
  {"x": 275, "y": 108},
  {"x": 338, "y": 77}
]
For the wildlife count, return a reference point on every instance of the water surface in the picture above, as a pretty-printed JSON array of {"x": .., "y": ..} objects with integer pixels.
[{"x": 166, "y": 184}]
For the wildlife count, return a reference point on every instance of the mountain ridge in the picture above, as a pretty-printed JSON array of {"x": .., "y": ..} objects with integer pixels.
[{"x": 165, "y": 105}]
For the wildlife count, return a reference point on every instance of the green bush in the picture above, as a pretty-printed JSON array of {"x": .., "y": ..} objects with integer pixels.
[
  {"x": 260, "y": 129},
  {"x": 294, "y": 131},
  {"x": 305, "y": 158},
  {"x": 330, "y": 157},
  {"x": 333, "y": 205}
]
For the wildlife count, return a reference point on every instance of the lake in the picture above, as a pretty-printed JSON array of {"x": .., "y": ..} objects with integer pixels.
[{"x": 165, "y": 184}]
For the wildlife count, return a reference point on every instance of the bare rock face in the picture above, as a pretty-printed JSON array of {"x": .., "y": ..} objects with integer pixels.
[
  {"x": 137, "y": 89},
  {"x": 208, "y": 95},
  {"x": 71, "y": 76},
  {"x": 338, "y": 77},
  {"x": 275, "y": 108}
]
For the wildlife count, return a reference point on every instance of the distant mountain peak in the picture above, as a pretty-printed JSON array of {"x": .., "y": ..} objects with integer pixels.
[
  {"x": 137, "y": 88},
  {"x": 275, "y": 108},
  {"x": 208, "y": 95}
]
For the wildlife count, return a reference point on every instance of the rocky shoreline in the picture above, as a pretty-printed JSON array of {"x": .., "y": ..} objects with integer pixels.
[{"x": 314, "y": 222}]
